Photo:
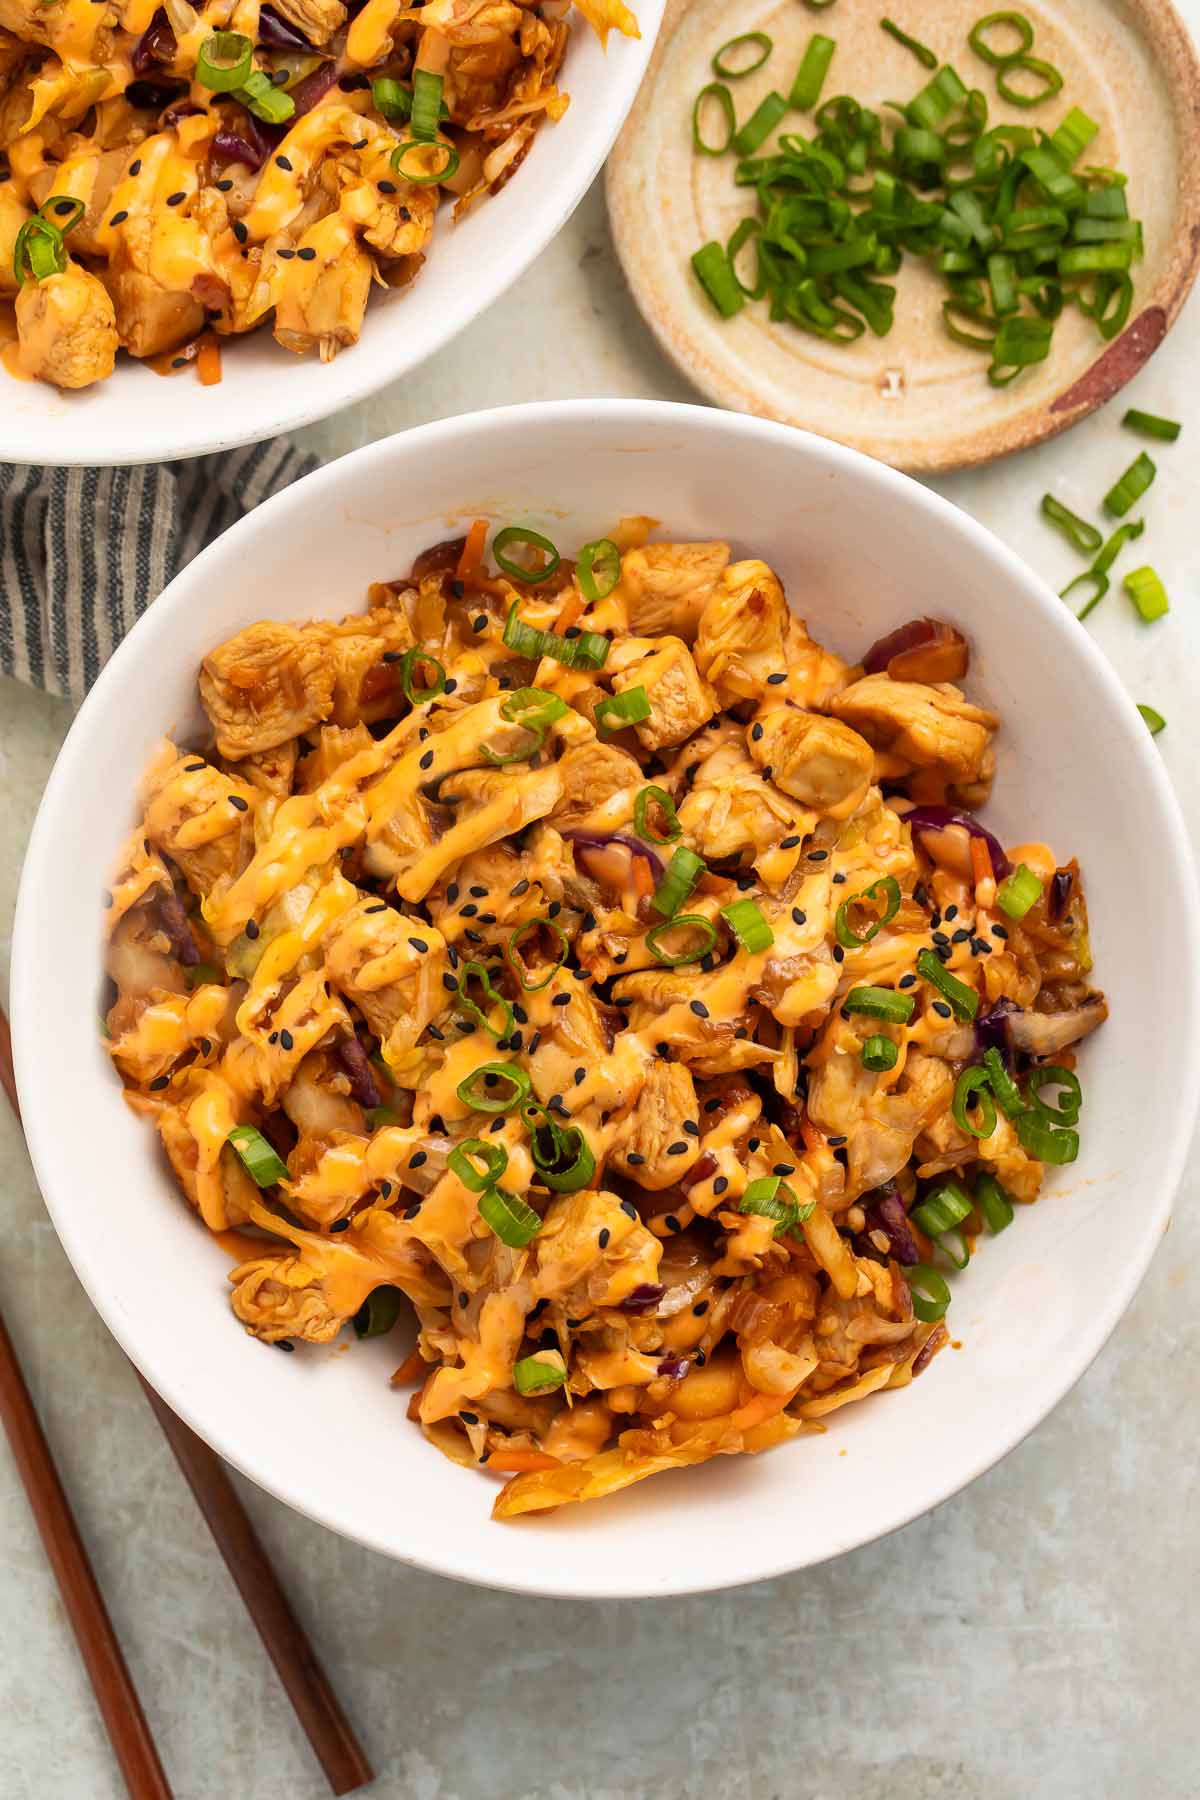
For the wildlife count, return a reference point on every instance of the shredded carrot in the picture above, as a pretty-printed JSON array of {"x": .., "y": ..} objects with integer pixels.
[
  {"x": 813, "y": 1136},
  {"x": 572, "y": 607},
  {"x": 208, "y": 360},
  {"x": 714, "y": 884},
  {"x": 410, "y": 1370},
  {"x": 756, "y": 1411},
  {"x": 643, "y": 880},
  {"x": 981, "y": 863},
  {"x": 520, "y": 1462},
  {"x": 471, "y": 560}
]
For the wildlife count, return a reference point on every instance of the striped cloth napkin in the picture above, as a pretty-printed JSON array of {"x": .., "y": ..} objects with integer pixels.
[{"x": 83, "y": 552}]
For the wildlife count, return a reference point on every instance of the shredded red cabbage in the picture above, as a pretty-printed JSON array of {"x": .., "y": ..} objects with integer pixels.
[
  {"x": 1060, "y": 893},
  {"x": 936, "y": 818},
  {"x": 353, "y": 1059},
  {"x": 644, "y": 1298},
  {"x": 674, "y": 1367},
  {"x": 314, "y": 87},
  {"x": 886, "y": 1213},
  {"x": 600, "y": 840},
  {"x": 278, "y": 33},
  {"x": 231, "y": 147},
  {"x": 175, "y": 923},
  {"x": 156, "y": 46},
  {"x": 991, "y": 1028}
]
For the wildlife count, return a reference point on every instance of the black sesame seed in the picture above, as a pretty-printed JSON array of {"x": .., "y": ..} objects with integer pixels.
[
  {"x": 783, "y": 1168},
  {"x": 554, "y": 1103},
  {"x": 754, "y": 1144},
  {"x": 438, "y": 1036},
  {"x": 308, "y": 254},
  {"x": 417, "y": 1159},
  {"x": 519, "y": 1013},
  {"x": 554, "y": 908},
  {"x": 817, "y": 855},
  {"x": 960, "y": 936},
  {"x": 452, "y": 892},
  {"x": 799, "y": 917},
  {"x": 789, "y": 843},
  {"x": 756, "y": 732},
  {"x": 274, "y": 1038},
  {"x": 193, "y": 768},
  {"x": 980, "y": 948},
  {"x": 720, "y": 1184},
  {"x": 672, "y": 1223},
  {"x": 838, "y": 879},
  {"x": 252, "y": 929},
  {"x": 522, "y": 887},
  {"x": 385, "y": 1188},
  {"x": 340, "y": 1225},
  {"x": 952, "y": 911},
  {"x": 835, "y": 1143},
  {"x": 839, "y": 955},
  {"x": 907, "y": 981},
  {"x": 691, "y": 1127},
  {"x": 939, "y": 937},
  {"x": 135, "y": 168},
  {"x": 629, "y": 1209},
  {"x": 775, "y": 680},
  {"x": 119, "y": 218},
  {"x": 285, "y": 255},
  {"x": 712, "y": 1106},
  {"x": 464, "y": 1299},
  {"x": 418, "y": 944},
  {"x": 286, "y": 1039},
  {"x": 700, "y": 1359},
  {"x": 285, "y": 1344},
  {"x": 469, "y": 1418},
  {"x": 381, "y": 907},
  {"x": 239, "y": 231},
  {"x": 580, "y": 975},
  {"x": 699, "y": 1008},
  {"x": 449, "y": 982},
  {"x": 999, "y": 931},
  {"x": 700, "y": 1308},
  {"x": 160, "y": 1082},
  {"x": 241, "y": 805},
  {"x": 580, "y": 1077},
  {"x": 206, "y": 1046},
  {"x": 179, "y": 362},
  {"x": 427, "y": 760},
  {"x": 392, "y": 656},
  {"x": 451, "y": 686},
  {"x": 768, "y": 771},
  {"x": 283, "y": 163},
  {"x": 176, "y": 199},
  {"x": 495, "y": 1126},
  {"x": 480, "y": 623},
  {"x": 636, "y": 1158},
  {"x": 935, "y": 919},
  {"x": 941, "y": 1009},
  {"x": 605, "y": 1234},
  {"x": 410, "y": 1212},
  {"x": 517, "y": 1040},
  {"x": 679, "y": 1148},
  {"x": 487, "y": 918},
  {"x": 222, "y": 187},
  {"x": 534, "y": 1041}
]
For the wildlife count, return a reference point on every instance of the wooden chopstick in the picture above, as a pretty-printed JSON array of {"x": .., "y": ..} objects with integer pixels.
[
  {"x": 307, "y": 1686},
  {"x": 111, "y": 1681}
]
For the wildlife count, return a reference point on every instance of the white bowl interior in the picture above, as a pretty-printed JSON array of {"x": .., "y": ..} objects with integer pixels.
[
  {"x": 860, "y": 549},
  {"x": 139, "y": 416}
]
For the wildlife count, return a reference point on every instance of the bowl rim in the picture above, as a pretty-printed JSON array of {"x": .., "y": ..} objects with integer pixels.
[
  {"x": 363, "y": 369},
  {"x": 42, "y": 1114}
]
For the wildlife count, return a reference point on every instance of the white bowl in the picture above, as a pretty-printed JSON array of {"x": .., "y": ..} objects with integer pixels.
[
  {"x": 860, "y": 548},
  {"x": 141, "y": 417}
]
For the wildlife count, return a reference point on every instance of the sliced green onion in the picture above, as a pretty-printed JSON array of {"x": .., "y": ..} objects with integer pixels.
[
  {"x": 928, "y": 1291},
  {"x": 683, "y": 872},
  {"x": 716, "y": 90},
  {"x": 879, "y": 1053},
  {"x": 389, "y": 98},
  {"x": 1086, "y": 259},
  {"x": 942, "y": 1208},
  {"x": 1070, "y": 1101},
  {"x": 261, "y": 1162},
  {"x": 760, "y": 124},
  {"x": 514, "y": 1223},
  {"x": 659, "y": 797},
  {"x": 562, "y": 1157},
  {"x": 1072, "y": 135},
  {"x": 378, "y": 1312},
  {"x": 1019, "y": 343},
  {"x": 408, "y": 663},
  {"x": 1015, "y": 21},
  {"x": 698, "y": 949},
  {"x": 1132, "y": 485},
  {"x": 749, "y": 926},
  {"x": 889, "y": 888},
  {"x": 444, "y": 172},
  {"x": 38, "y": 250},
  {"x": 1152, "y": 426},
  {"x": 963, "y": 1000},
  {"x": 202, "y": 974},
  {"x": 1002, "y": 279},
  {"x": 810, "y": 77},
  {"x": 534, "y": 710},
  {"x": 426, "y": 105},
  {"x": 493, "y": 1156},
  {"x": 533, "y": 540},
  {"x": 1008, "y": 1095},
  {"x": 1096, "y": 580},
  {"x": 617, "y": 711},
  {"x": 517, "y": 963},
  {"x": 993, "y": 1202},
  {"x": 587, "y": 651},
  {"x": 924, "y": 55},
  {"x": 720, "y": 62},
  {"x": 973, "y": 1088},
  {"x": 715, "y": 274},
  {"x": 224, "y": 61},
  {"x": 1044, "y": 1142},
  {"x": 1059, "y": 186},
  {"x": 598, "y": 569},
  {"x": 1018, "y": 892},
  {"x": 477, "y": 971},
  {"x": 880, "y": 1003},
  {"x": 1124, "y": 534},
  {"x": 1153, "y": 718},
  {"x": 538, "y": 1375},
  {"x": 1083, "y": 537},
  {"x": 769, "y": 1198},
  {"x": 1045, "y": 72},
  {"x": 936, "y": 100},
  {"x": 1147, "y": 593},
  {"x": 473, "y": 1091},
  {"x": 261, "y": 97}
]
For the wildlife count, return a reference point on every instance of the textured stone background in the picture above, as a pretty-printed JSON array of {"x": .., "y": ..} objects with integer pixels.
[{"x": 1036, "y": 1636}]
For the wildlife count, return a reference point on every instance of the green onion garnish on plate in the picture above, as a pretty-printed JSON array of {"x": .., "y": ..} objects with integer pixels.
[
  {"x": 714, "y": 271},
  {"x": 1147, "y": 593},
  {"x": 534, "y": 710},
  {"x": 475, "y": 1090},
  {"x": 973, "y": 1094},
  {"x": 378, "y": 1312},
  {"x": 880, "y": 1003},
  {"x": 540, "y": 1373},
  {"x": 721, "y": 63},
  {"x": 1132, "y": 485},
  {"x": 1018, "y": 892},
  {"x": 879, "y": 1054},
  {"x": 462, "y": 1162},
  {"x": 656, "y": 796},
  {"x": 598, "y": 569},
  {"x": 748, "y": 923},
  {"x": 516, "y": 961},
  {"x": 1154, "y": 719},
  {"x": 885, "y": 891},
  {"x": 426, "y": 105},
  {"x": 261, "y": 97},
  {"x": 993, "y": 1202},
  {"x": 224, "y": 61},
  {"x": 1152, "y": 425},
  {"x": 261, "y": 1162},
  {"x": 924, "y": 55},
  {"x": 695, "y": 950},
  {"x": 508, "y": 1217},
  {"x": 963, "y": 1000},
  {"x": 1079, "y": 534},
  {"x": 616, "y": 711},
  {"x": 810, "y": 76},
  {"x": 929, "y": 1293},
  {"x": 682, "y": 873}
]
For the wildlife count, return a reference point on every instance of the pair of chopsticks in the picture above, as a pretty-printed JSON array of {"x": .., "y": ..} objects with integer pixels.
[{"x": 305, "y": 1682}]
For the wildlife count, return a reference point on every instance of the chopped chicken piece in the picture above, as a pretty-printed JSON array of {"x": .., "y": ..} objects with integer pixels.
[
  {"x": 680, "y": 702},
  {"x": 819, "y": 761},
  {"x": 652, "y": 1146},
  {"x": 268, "y": 684},
  {"x": 67, "y": 329},
  {"x": 919, "y": 727},
  {"x": 667, "y": 586},
  {"x": 391, "y": 967},
  {"x": 743, "y": 631}
]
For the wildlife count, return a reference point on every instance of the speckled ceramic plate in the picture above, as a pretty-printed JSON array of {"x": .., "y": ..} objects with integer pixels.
[{"x": 915, "y": 398}]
